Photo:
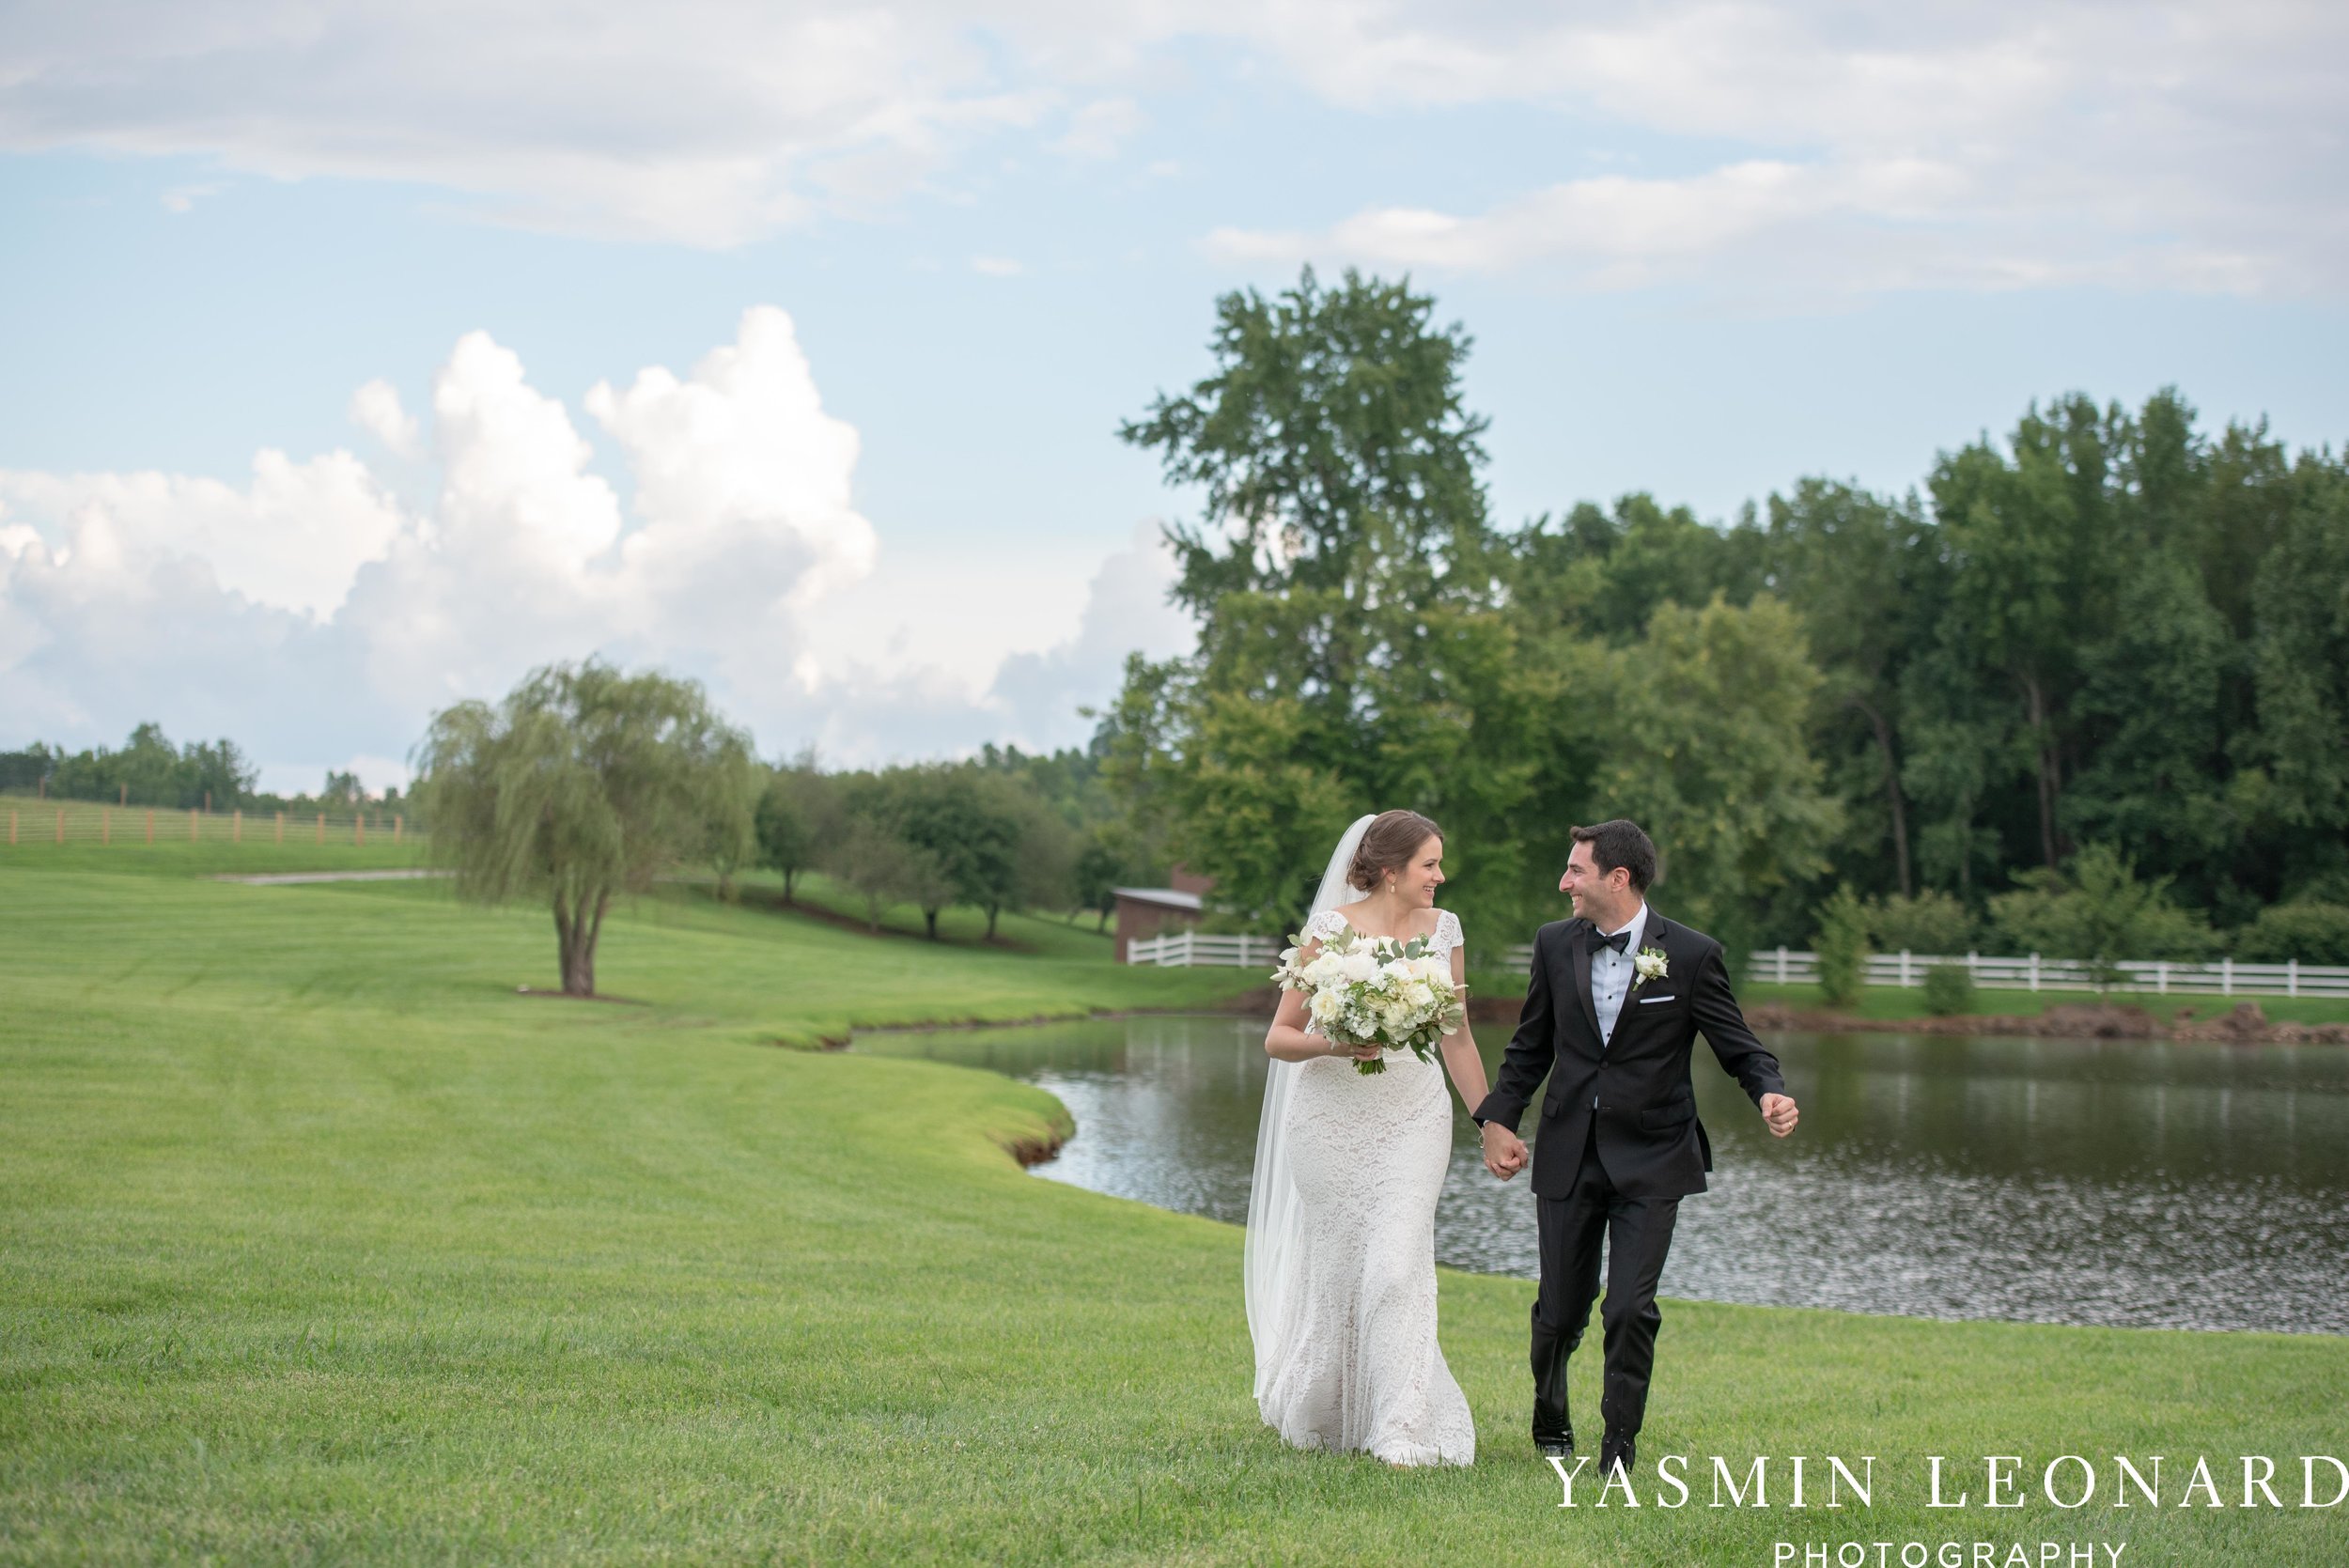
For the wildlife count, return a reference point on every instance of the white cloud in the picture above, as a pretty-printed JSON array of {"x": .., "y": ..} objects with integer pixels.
[
  {"x": 709, "y": 124},
  {"x": 1782, "y": 221},
  {"x": 943, "y": 615},
  {"x": 1126, "y": 610},
  {"x": 375, "y": 408},
  {"x": 98, "y": 632},
  {"x": 309, "y": 617},
  {"x": 996, "y": 266},
  {"x": 1927, "y": 146},
  {"x": 1097, "y": 129},
  {"x": 514, "y": 469},
  {"x": 294, "y": 539},
  {"x": 2181, "y": 141}
]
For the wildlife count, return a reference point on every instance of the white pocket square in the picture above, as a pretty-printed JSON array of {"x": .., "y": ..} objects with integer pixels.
[{"x": 1646, "y": 1001}]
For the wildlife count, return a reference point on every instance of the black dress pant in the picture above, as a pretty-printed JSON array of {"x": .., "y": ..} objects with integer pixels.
[{"x": 1638, "y": 1232}]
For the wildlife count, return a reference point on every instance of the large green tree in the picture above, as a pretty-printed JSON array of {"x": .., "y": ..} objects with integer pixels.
[
  {"x": 1702, "y": 724},
  {"x": 965, "y": 829},
  {"x": 2301, "y": 666},
  {"x": 1351, "y": 658},
  {"x": 796, "y": 820},
  {"x": 584, "y": 784},
  {"x": 1867, "y": 580},
  {"x": 2036, "y": 549},
  {"x": 1335, "y": 456}
]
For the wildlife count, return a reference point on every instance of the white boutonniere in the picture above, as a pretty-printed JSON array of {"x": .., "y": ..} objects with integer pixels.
[{"x": 1650, "y": 965}]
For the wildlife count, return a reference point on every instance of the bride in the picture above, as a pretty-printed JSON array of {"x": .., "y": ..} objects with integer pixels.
[{"x": 1340, "y": 1249}]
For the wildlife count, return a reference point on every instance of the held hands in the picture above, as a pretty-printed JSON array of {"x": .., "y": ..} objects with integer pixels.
[
  {"x": 1779, "y": 1113},
  {"x": 1504, "y": 1151},
  {"x": 1360, "y": 1053}
]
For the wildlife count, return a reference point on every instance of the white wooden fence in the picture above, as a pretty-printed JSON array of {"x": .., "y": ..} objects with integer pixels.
[
  {"x": 2223, "y": 977},
  {"x": 1789, "y": 967},
  {"x": 1197, "y": 950}
]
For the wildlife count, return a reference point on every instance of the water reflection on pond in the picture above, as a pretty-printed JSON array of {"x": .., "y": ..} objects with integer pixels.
[{"x": 2057, "y": 1181}]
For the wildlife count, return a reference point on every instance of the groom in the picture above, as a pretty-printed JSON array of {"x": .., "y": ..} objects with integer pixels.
[{"x": 1618, "y": 996}]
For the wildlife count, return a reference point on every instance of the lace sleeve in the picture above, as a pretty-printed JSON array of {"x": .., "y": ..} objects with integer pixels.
[
  {"x": 1447, "y": 935},
  {"x": 1324, "y": 926}
]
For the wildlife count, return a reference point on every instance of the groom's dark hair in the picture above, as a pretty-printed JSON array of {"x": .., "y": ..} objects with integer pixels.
[{"x": 1620, "y": 842}]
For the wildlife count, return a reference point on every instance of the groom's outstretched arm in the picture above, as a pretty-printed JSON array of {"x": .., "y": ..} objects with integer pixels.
[
  {"x": 1717, "y": 1012},
  {"x": 1531, "y": 1051}
]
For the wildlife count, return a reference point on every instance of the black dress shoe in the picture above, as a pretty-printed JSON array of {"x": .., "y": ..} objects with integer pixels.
[
  {"x": 1555, "y": 1447},
  {"x": 1614, "y": 1451}
]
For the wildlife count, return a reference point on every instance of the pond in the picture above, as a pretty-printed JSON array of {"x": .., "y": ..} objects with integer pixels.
[{"x": 2135, "y": 1183}]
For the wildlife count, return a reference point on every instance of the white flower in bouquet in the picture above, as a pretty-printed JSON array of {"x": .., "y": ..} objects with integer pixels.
[{"x": 1374, "y": 990}]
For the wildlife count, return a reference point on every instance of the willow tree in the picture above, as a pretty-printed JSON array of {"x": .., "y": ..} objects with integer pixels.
[{"x": 585, "y": 782}]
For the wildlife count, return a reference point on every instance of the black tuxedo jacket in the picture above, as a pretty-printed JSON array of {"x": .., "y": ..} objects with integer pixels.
[{"x": 1636, "y": 1085}]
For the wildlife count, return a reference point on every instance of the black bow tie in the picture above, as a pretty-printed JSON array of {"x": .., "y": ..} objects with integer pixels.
[{"x": 1620, "y": 941}]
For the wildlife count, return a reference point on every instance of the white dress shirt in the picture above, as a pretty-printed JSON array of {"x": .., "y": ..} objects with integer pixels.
[{"x": 1613, "y": 973}]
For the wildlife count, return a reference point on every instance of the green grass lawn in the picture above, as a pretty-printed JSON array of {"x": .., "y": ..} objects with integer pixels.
[{"x": 322, "y": 1246}]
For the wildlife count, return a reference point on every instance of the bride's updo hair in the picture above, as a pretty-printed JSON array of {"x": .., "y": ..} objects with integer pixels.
[{"x": 1388, "y": 845}]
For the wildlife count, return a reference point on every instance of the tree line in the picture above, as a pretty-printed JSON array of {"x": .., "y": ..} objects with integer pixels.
[
  {"x": 147, "y": 769},
  {"x": 1002, "y": 830},
  {"x": 586, "y": 783},
  {"x": 2108, "y": 650}
]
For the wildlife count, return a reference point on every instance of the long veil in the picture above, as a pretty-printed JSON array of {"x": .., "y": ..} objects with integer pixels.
[{"x": 1275, "y": 1214}]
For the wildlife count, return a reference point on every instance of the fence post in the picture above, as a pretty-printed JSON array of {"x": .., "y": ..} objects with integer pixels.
[
  {"x": 281, "y": 827},
  {"x": 2291, "y": 977},
  {"x": 150, "y": 824},
  {"x": 397, "y": 823},
  {"x": 358, "y": 832},
  {"x": 2161, "y": 976},
  {"x": 1903, "y": 969},
  {"x": 1781, "y": 963},
  {"x": 322, "y": 827},
  {"x": 2226, "y": 976},
  {"x": 2034, "y": 971}
]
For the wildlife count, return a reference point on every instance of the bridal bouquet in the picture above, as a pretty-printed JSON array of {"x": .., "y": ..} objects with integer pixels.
[{"x": 1364, "y": 990}]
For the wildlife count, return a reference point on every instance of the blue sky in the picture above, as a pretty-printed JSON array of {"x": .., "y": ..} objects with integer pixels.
[{"x": 1703, "y": 250}]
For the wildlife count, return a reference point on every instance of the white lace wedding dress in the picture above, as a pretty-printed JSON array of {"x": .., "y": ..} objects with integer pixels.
[{"x": 1353, "y": 1363}]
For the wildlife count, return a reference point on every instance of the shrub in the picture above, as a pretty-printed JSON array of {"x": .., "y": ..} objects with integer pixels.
[
  {"x": 2096, "y": 910},
  {"x": 1949, "y": 990},
  {"x": 1929, "y": 922},
  {"x": 2312, "y": 933},
  {"x": 1842, "y": 947}
]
